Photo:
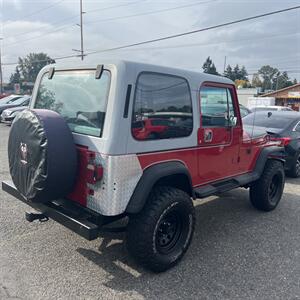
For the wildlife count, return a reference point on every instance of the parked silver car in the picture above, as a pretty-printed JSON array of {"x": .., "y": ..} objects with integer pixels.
[{"x": 10, "y": 110}]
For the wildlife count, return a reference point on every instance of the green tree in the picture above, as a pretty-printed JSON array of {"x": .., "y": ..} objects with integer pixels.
[
  {"x": 30, "y": 65},
  {"x": 15, "y": 77},
  {"x": 240, "y": 73},
  {"x": 281, "y": 80},
  {"x": 256, "y": 82},
  {"x": 243, "y": 74},
  {"x": 209, "y": 67},
  {"x": 236, "y": 72},
  {"x": 229, "y": 73},
  {"x": 267, "y": 73}
]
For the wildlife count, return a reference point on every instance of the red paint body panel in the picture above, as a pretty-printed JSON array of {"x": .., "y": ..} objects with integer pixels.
[
  {"x": 229, "y": 152},
  {"x": 186, "y": 156},
  {"x": 207, "y": 164},
  {"x": 80, "y": 191},
  {"x": 218, "y": 157}
]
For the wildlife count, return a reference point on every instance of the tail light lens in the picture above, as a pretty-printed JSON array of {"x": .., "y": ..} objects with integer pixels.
[
  {"x": 282, "y": 141},
  {"x": 94, "y": 173}
]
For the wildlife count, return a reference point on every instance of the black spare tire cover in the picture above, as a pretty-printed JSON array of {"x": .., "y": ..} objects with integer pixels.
[{"x": 42, "y": 155}]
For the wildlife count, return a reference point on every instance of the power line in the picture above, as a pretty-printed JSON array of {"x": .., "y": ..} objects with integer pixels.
[
  {"x": 183, "y": 34},
  {"x": 204, "y": 44},
  {"x": 45, "y": 25},
  {"x": 41, "y": 35},
  {"x": 43, "y": 60},
  {"x": 115, "y": 6},
  {"x": 62, "y": 22},
  {"x": 103, "y": 20},
  {"x": 150, "y": 12},
  {"x": 195, "y": 31},
  {"x": 42, "y": 9}
]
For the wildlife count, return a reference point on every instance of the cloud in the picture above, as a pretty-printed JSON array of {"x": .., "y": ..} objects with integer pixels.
[
  {"x": 17, "y": 4},
  {"x": 272, "y": 40}
]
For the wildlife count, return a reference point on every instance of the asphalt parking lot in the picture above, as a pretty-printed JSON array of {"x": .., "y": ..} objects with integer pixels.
[{"x": 237, "y": 253}]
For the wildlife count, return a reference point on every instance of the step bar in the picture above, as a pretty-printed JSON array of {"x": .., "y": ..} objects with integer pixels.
[{"x": 220, "y": 187}]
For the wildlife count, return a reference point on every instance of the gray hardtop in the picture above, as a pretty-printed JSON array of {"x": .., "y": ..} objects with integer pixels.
[
  {"x": 138, "y": 67},
  {"x": 117, "y": 138}
]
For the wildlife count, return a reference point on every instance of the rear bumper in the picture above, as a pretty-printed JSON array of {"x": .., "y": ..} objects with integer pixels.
[{"x": 76, "y": 218}]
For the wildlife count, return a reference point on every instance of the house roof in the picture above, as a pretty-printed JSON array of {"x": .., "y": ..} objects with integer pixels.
[{"x": 281, "y": 90}]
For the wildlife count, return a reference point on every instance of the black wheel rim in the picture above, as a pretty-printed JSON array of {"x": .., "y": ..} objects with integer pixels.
[
  {"x": 168, "y": 232},
  {"x": 274, "y": 188},
  {"x": 298, "y": 166}
]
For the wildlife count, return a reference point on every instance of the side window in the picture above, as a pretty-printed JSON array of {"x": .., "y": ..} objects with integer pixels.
[
  {"x": 217, "y": 108},
  {"x": 162, "y": 107}
]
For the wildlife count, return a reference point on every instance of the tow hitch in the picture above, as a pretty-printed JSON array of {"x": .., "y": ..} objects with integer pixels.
[{"x": 32, "y": 216}]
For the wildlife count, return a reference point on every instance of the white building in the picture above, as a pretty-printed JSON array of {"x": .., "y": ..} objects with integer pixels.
[{"x": 245, "y": 93}]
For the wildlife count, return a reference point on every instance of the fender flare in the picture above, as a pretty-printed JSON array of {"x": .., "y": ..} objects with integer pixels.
[
  {"x": 150, "y": 177},
  {"x": 267, "y": 153}
]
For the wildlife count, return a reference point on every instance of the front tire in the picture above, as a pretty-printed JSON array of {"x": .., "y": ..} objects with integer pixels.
[
  {"x": 161, "y": 233},
  {"x": 266, "y": 193}
]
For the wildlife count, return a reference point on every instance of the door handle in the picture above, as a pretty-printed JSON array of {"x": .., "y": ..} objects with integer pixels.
[{"x": 208, "y": 135}]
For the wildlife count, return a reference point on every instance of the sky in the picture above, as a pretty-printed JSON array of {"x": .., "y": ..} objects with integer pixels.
[{"x": 49, "y": 26}]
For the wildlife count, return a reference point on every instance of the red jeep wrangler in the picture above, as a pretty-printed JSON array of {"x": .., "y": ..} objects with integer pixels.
[{"x": 81, "y": 156}]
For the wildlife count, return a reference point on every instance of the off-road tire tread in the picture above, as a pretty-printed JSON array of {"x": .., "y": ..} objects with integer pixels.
[
  {"x": 138, "y": 228},
  {"x": 259, "y": 190}
]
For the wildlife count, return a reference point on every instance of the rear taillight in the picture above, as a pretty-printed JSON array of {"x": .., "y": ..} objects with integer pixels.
[
  {"x": 94, "y": 170},
  {"x": 282, "y": 141},
  {"x": 94, "y": 173}
]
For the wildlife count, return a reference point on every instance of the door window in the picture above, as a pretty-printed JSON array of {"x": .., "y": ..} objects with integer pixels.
[
  {"x": 217, "y": 108},
  {"x": 162, "y": 107}
]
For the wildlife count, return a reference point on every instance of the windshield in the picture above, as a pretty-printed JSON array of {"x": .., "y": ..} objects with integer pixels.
[
  {"x": 262, "y": 120},
  {"x": 78, "y": 97}
]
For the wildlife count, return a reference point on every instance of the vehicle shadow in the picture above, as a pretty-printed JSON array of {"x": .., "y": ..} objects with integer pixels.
[
  {"x": 228, "y": 236},
  {"x": 290, "y": 180}
]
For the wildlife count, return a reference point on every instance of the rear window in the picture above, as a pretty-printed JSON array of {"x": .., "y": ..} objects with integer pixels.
[
  {"x": 78, "y": 97},
  {"x": 263, "y": 120}
]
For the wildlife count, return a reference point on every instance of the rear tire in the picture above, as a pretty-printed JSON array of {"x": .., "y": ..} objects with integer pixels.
[
  {"x": 266, "y": 192},
  {"x": 161, "y": 233}
]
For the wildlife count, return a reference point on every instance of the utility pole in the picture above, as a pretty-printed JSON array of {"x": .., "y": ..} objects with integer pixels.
[
  {"x": 1, "y": 75},
  {"x": 81, "y": 51},
  {"x": 225, "y": 64},
  {"x": 81, "y": 31}
]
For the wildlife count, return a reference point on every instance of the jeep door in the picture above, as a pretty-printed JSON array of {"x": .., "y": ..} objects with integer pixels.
[{"x": 219, "y": 133}]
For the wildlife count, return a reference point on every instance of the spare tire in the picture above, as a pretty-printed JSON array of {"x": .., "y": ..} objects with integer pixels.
[{"x": 42, "y": 155}]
